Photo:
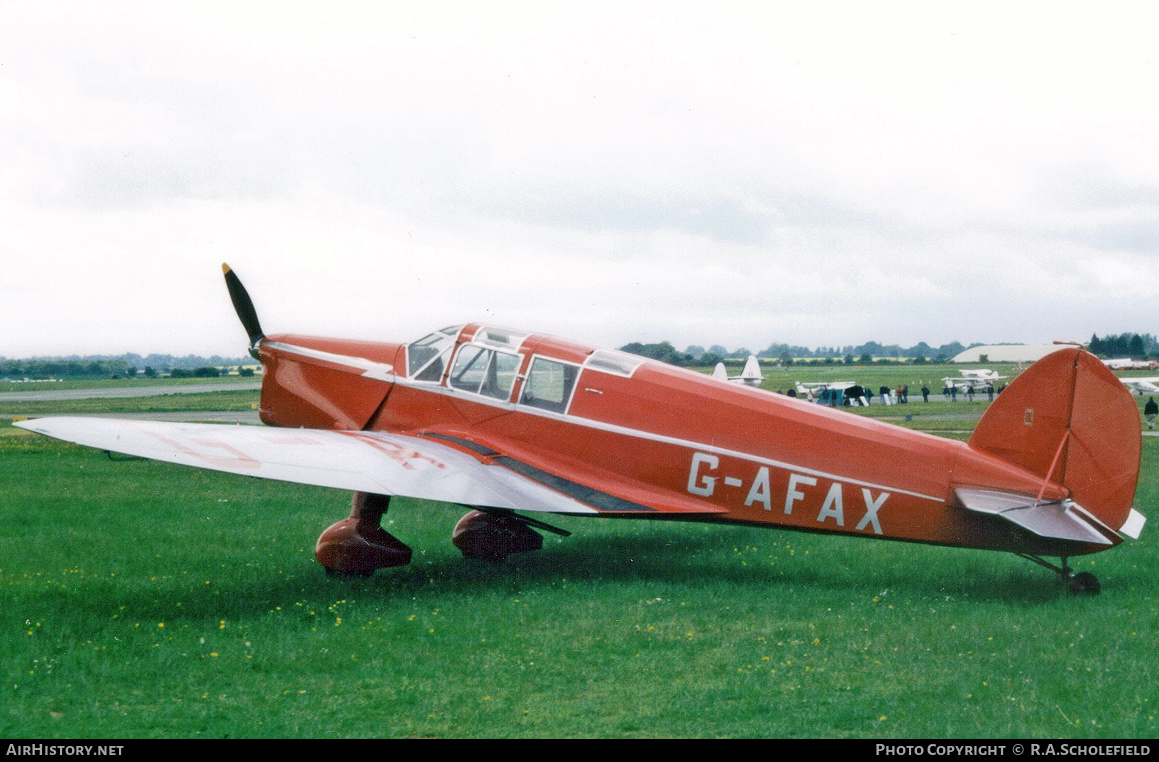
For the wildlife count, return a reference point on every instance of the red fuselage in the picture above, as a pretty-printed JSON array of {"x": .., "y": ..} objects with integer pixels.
[{"x": 634, "y": 437}]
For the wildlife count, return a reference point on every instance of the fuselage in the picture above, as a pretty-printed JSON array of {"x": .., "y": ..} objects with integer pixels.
[{"x": 638, "y": 435}]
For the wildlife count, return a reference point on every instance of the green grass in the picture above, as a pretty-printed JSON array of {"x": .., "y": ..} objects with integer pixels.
[
  {"x": 229, "y": 400},
  {"x": 147, "y": 600},
  {"x": 226, "y": 398}
]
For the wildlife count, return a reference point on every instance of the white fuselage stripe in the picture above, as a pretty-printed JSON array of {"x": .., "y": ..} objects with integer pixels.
[{"x": 701, "y": 447}]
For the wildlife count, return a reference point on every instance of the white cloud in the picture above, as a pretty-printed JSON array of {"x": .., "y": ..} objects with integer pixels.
[{"x": 736, "y": 173}]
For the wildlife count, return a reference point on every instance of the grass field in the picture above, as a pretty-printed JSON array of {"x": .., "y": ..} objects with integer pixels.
[{"x": 146, "y": 600}]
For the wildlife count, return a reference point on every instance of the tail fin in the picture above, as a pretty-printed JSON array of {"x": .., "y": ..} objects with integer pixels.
[
  {"x": 752, "y": 371},
  {"x": 1070, "y": 420}
]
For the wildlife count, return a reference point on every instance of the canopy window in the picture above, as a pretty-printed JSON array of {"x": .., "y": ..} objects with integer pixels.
[
  {"x": 549, "y": 385},
  {"x": 427, "y": 358},
  {"x": 480, "y": 370}
]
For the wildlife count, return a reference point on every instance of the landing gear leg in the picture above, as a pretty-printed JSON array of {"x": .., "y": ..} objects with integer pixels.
[
  {"x": 1083, "y": 583},
  {"x": 356, "y": 546}
]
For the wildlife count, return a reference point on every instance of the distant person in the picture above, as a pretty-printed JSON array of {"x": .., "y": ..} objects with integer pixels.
[
  {"x": 953, "y": 392},
  {"x": 970, "y": 392},
  {"x": 1151, "y": 410},
  {"x": 884, "y": 392},
  {"x": 792, "y": 391},
  {"x": 990, "y": 391},
  {"x": 925, "y": 393}
]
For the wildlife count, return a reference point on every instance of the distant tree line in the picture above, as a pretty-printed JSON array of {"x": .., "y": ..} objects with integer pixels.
[
  {"x": 787, "y": 354},
  {"x": 123, "y": 366},
  {"x": 78, "y": 368},
  {"x": 1134, "y": 345},
  {"x": 663, "y": 351},
  {"x": 205, "y": 371}
]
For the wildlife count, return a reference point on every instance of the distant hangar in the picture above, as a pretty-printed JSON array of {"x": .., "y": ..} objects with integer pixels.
[{"x": 1006, "y": 353}]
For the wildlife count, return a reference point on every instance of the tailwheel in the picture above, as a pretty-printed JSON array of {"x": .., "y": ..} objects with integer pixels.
[
  {"x": 494, "y": 536},
  {"x": 357, "y": 546},
  {"x": 1083, "y": 583}
]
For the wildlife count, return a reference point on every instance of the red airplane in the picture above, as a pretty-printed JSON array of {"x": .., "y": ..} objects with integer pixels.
[{"x": 503, "y": 421}]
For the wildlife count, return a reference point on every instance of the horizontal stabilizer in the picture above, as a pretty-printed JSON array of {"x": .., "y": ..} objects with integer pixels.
[{"x": 1064, "y": 520}]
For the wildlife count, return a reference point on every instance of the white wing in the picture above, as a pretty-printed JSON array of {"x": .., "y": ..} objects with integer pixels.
[{"x": 388, "y": 464}]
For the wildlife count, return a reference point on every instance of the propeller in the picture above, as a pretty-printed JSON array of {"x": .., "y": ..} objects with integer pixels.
[{"x": 245, "y": 308}]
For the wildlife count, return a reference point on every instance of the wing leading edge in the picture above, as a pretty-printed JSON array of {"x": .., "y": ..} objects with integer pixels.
[{"x": 359, "y": 461}]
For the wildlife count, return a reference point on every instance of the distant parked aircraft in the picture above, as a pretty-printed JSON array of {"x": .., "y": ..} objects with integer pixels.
[
  {"x": 749, "y": 376},
  {"x": 1148, "y": 385},
  {"x": 973, "y": 379},
  {"x": 1126, "y": 363}
]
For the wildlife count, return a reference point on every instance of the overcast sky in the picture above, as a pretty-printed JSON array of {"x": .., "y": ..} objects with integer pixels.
[{"x": 735, "y": 173}]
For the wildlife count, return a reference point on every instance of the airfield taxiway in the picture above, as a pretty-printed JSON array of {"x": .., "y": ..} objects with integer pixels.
[{"x": 154, "y": 390}]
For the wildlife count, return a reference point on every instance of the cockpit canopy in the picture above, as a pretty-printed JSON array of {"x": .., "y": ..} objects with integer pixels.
[
  {"x": 488, "y": 361},
  {"x": 427, "y": 358}
]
